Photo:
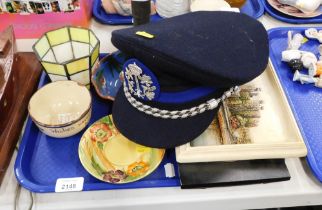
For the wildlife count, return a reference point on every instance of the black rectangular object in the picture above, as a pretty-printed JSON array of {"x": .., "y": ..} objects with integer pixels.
[{"x": 212, "y": 174}]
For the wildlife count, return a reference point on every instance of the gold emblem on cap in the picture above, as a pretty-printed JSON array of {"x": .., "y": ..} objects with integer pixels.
[{"x": 145, "y": 34}]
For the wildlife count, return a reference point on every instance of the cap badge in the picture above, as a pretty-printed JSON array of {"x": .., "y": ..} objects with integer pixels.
[
  {"x": 145, "y": 34},
  {"x": 141, "y": 82}
]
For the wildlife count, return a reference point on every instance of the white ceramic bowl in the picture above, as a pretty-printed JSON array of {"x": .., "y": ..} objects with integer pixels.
[{"x": 61, "y": 109}]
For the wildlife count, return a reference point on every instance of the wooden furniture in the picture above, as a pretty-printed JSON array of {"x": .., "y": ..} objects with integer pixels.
[{"x": 19, "y": 74}]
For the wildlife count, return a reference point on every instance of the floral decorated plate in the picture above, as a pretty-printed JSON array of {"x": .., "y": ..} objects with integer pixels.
[
  {"x": 292, "y": 11},
  {"x": 107, "y": 155}
]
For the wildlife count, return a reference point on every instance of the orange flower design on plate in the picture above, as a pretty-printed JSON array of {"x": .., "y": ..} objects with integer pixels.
[
  {"x": 100, "y": 132},
  {"x": 137, "y": 168}
]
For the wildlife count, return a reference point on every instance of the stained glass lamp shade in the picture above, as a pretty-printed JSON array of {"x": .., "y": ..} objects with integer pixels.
[{"x": 68, "y": 53}]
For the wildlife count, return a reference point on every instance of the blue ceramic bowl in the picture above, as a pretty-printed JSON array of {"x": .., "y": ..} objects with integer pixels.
[{"x": 106, "y": 75}]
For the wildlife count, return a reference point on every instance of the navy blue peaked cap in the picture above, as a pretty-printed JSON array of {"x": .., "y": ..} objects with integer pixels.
[
  {"x": 176, "y": 80},
  {"x": 218, "y": 48}
]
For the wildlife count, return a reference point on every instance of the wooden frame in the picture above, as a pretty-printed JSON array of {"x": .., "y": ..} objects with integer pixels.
[{"x": 276, "y": 136}]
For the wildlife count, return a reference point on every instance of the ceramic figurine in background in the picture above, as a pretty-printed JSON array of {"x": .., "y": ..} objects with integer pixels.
[
  {"x": 292, "y": 55},
  {"x": 315, "y": 69},
  {"x": 306, "y": 6},
  {"x": 314, "y": 66},
  {"x": 320, "y": 52},
  {"x": 312, "y": 33},
  {"x": 318, "y": 83},
  {"x": 121, "y": 7},
  {"x": 295, "y": 57},
  {"x": 303, "y": 78},
  {"x": 295, "y": 64},
  {"x": 170, "y": 8},
  {"x": 298, "y": 59},
  {"x": 288, "y": 55},
  {"x": 293, "y": 45},
  {"x": 208, "y": 5},
  {"x": 308, "y": 59},
  {"x": 318, "y": 67},
  {"x": 294, "y": 42}
]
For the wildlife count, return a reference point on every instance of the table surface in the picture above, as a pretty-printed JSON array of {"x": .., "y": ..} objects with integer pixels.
[{"x": 303, "y": 188}]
